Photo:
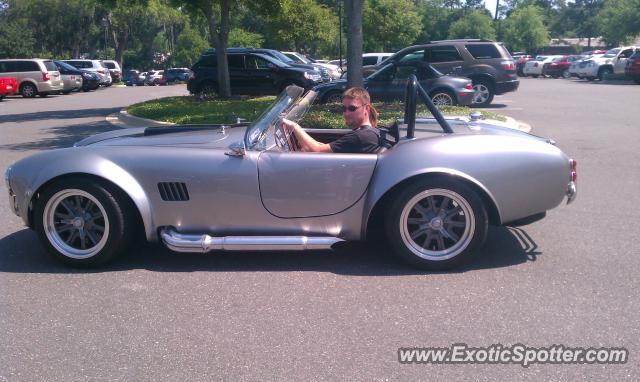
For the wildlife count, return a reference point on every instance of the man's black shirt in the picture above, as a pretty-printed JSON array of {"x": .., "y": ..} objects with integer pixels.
[{"x": 364, "y": 139}]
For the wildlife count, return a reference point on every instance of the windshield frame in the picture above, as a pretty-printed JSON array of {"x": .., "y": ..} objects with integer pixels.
[{"x": 293, "y": 103}]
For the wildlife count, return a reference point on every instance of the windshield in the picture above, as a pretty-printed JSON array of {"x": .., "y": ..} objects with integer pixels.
[
  {"x": 66, "y": 66},
  {"x": 281, "y": 56},
  {"x": 612, "y": 52},
  {"x": 291, "y": 104}
]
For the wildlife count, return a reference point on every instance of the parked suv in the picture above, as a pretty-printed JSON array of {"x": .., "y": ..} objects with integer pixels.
[
  {"x": 614, "y": 61},
  {"x": 34, "y": 76},
  {"x": 114, "y": 69},
  {"x": 324, "y": 72},
  {"x": 487, "y": 63},
  {"x": 250, "y": 73},
  {"x": 96, "y": 66}
]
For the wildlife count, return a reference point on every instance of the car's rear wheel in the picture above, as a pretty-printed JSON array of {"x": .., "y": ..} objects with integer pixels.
[
  {"x": 333, "y": 97},
  {"x": 483, "y": 92},
  {"x": 28, "y": 90},
  {"x": 566, "y": 74},
  {"x": 436, "y": 224},
  {"x": 443, "y": 98},
  {"x": 83, "y": 223}
]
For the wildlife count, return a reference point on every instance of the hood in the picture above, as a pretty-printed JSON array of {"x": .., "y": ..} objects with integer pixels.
[{"x": 173, "y": 136}]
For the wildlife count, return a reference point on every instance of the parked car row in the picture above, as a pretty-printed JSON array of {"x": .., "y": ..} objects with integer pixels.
[
  {"x": 483, "y": 65},
  {"x": 156, "y": 77},
  {"x": 42, "y": 77},
  {"x": 597, "y": 64}
]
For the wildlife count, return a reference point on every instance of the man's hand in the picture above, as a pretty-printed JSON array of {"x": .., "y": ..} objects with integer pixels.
[{"x": 289, "y": 126}]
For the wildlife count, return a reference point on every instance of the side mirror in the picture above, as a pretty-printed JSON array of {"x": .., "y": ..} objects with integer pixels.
[{"x": 236, "y": 149}]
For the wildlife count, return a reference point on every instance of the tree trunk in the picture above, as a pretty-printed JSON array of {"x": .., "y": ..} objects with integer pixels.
[
  {"x": 219, "y": 40},
  {"x": 354, "y": 43},
  {"x": 120, "y": 43}
]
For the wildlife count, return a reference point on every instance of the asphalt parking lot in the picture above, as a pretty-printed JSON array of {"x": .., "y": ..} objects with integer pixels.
[{"x": 569, "y": 279}]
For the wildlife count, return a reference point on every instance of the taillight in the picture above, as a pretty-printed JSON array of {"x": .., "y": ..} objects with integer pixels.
[
  {"x": 508, "y": 65},
  {"x": 100, "y": 71},
  {"x": 45, "y": 76},
  {"x": 574, "y": 173},
  {"x": 468, "y": 87}
]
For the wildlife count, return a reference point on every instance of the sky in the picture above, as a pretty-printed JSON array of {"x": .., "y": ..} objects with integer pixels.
[{"x": 490, "y": 5}]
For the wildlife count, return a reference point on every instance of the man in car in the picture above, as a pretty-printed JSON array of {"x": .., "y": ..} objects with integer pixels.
[{"x": 358, "y": 114}]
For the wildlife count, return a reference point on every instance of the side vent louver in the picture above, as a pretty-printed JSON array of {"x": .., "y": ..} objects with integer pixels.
[{"x": 173, "y": 191}]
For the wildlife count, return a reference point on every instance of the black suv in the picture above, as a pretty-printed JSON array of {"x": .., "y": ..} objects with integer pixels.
[
  {"x": 278, "y": 55},
  {"x": 487, "y": 63},
  {"x": 250, "y": 73}
]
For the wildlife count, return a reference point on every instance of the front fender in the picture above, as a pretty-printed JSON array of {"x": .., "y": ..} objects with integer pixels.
[{"x": 29, "y": 175}]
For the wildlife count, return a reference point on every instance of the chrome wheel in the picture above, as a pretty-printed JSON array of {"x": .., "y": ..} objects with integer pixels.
[
  {"x": 437, "y": 224},
  {"x": 566, "y": 74},
  {"x": 76, "y": 224},
  {"x": 442, "y": 99}
]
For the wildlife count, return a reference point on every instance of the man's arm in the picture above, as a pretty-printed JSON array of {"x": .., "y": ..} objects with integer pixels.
[{"x": 307, "y": 143}]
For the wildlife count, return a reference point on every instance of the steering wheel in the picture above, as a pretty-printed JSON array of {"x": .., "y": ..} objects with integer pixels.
[{"x": 287, "y": 141}]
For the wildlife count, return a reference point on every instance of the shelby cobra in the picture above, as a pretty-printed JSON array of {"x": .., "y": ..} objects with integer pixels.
[{"x": 433, "y": 187}]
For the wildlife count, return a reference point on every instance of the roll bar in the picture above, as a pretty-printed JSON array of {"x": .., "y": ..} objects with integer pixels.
[{"x": 414, "y": 89}]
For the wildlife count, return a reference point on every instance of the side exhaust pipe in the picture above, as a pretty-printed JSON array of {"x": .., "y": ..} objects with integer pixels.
[{"x": 180, "y": 242}]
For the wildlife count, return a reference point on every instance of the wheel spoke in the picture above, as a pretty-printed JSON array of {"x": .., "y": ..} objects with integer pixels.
[
  {"x": 417, "y": 233},
  {"x": 72, "y": 237},
  {"x": 415, "y": 221},
  {"x": 451, "y": 224},
  {"x": 68, "y": 207},
  {"x": 64, "y": 228},
  {"x": 444, "y": 204},
  {"x": 420, "y": 209},
  {"x": 92, "y": 237},
  {"x": 440, "y": 242},
  {"x": 452, "y": 212},
  {"x": 89, "y": 205},
  {"x": 427, "y": 240},
  {"x": 82, "y": 236},
  {"x": 449, "y": 234},
  {"x": 62, "y": 216}
]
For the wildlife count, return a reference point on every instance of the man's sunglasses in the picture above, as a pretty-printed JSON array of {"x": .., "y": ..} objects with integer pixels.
[{"x": 350, "y": 108}]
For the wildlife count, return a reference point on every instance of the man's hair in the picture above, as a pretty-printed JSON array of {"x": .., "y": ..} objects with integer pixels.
[{"x": 363, "y": 95}]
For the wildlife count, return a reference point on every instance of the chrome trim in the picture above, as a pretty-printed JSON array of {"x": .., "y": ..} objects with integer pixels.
[
  {"x": 572, "y": 190},
  {"x": 180, "y": 242},
  {"x": 236, "y": 149}
]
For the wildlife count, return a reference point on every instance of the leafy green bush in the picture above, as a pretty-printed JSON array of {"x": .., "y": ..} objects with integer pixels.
[{"x": 188, "y": 110}]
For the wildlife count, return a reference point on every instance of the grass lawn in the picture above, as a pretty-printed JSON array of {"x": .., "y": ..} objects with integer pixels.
[{"x": 187, "y": 110}]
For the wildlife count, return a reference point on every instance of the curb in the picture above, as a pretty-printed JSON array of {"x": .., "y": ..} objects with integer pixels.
[{"x": 123, "y": 119}]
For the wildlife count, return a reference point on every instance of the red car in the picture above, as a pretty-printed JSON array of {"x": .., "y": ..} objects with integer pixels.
[
  {"x": 8, "y": 86},
  {"x": 632, "y": 69},
  {"x": 559, "y": 68}
]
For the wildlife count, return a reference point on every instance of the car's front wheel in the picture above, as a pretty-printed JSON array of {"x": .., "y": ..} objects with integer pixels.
[
  {"x": 436, "y": 224},
  {"x": 483, "y": 92},
  {"x": 82, "y": 222}
]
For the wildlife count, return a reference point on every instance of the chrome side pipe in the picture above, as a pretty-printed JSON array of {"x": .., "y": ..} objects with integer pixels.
[{"x": 180, "y": 242}]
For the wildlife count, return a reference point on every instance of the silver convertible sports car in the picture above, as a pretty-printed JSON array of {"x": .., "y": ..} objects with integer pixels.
[{"x": 433, "y": 187}]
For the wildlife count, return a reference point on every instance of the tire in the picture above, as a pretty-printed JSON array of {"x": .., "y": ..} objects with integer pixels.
[
  {"x": 65, "y": 92},
  {"x": 443, "y": 98},
  {"x": 83, "y": 223},
  {"x": 28, "y": 90},
  {"x": 453, "y": 218},
  {"x": 566, "y": 74},
  {"x": 484, "y": 92},
  {"x": 637, "y": 80},
  {"x": 333, "y": 97},
  {"x": 604, "y": 72},
  {"x": 208, "y": 90}
]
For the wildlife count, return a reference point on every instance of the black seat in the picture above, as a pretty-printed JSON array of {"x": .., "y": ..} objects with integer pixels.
[{"x": 389, "y": 136}]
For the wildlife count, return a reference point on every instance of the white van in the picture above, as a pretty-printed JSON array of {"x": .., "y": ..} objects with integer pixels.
[{"x": 35, "y": 76}]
